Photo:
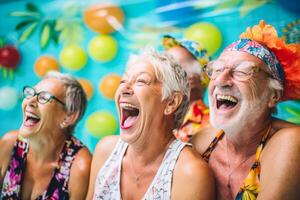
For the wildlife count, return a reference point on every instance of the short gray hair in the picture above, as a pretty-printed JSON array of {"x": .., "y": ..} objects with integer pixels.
[
  {"x": 172, "y": 76},
  {"x": 75, "y": 97}
]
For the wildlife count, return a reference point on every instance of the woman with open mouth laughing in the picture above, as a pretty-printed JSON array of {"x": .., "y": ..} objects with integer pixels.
[
  {"x": 43, "y": 160},
  {"x": 146, "y": 161}
]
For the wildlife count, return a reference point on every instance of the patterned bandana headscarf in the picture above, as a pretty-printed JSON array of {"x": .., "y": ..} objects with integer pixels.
[
  {"x": 258, "y": 50},
  {"x": 194, "y": 48},
  {"x": 282, "y": 59}
]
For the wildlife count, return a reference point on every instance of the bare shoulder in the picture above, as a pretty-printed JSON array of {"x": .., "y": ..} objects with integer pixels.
[
  {"x": 280, "y": 161},
  {"x": 193, "y": 176},
  {"x": 9, "y": 138},
  {"x": 106, "y": 145},
  {"x": 190, "y": 164},
  {"x": 7, "y": 143},
  {"x": 285, "y": 141},
  {"x": 82, "y": 162},
  {"x": 79, "y": 175},
  {"x": 203, "y": 138},
  {"x": 286, "y": 138}
]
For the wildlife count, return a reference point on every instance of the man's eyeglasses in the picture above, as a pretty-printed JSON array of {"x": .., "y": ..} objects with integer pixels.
[
  {"x": 42, "y": 97},
  {"x": 240, "y": 72}
]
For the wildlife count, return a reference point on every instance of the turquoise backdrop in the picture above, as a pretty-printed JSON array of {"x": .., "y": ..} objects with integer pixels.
[{"x": 145, "y": 21}]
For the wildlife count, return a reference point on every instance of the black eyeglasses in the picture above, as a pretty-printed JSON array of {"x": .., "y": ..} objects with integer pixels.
[{"x": 42, "y": 97}]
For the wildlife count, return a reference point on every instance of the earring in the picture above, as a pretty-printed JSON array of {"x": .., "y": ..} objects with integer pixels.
[
  {"x": 168, "y": 111},
  {"x": 62, "y": 125}
]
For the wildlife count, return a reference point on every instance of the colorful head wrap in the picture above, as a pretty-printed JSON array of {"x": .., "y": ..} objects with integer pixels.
[
  {"x": 194, "y": 48},
  {"x": 282, "y": 59},
  {"x": 258, "y": 50}
]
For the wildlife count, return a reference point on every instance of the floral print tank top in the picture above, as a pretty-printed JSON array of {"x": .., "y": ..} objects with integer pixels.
[
  {"x": 57, "y": 188},
  {"x": 250, "y": 188}
]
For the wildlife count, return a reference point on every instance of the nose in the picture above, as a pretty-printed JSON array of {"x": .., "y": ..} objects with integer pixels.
[
  {"x": 126, "y": 89},
  {"x": 32, "y": 101},
  {"x": 224, "y": 79}
]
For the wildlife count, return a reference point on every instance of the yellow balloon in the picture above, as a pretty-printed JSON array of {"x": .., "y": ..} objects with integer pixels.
[
  {"x": 73, "y": 57},
  {"x": 103, "y": 48},
  {"x": 101, "y": 123},
  {"x": 206, "y": 34}
]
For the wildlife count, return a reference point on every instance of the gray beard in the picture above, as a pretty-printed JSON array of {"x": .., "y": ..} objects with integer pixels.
[{"x": 247, "y": 117}]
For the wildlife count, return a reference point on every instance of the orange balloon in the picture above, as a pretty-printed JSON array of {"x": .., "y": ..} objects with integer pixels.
[
  {"x": 87, "y": 87},
  {"x": 103, "y": 18},
  {"x": 109, "y": 85},
  {"x": 45, "y": 64}
]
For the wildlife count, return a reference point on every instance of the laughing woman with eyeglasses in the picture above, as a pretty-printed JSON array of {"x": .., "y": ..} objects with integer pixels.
[{"x": 43, "y": 160}]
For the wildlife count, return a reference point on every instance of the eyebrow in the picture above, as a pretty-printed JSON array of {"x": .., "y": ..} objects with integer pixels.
[
  {"x": 235, "y": 62},
  {"x": 41, "y": 91},
  {"x": 247, "y": 62},
  {"x": 138, "y": 74}
]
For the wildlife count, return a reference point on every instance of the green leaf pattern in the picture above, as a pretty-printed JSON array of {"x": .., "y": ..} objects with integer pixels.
[
  {"x": 45, "y": 35},
  {"x": 22, "y": 24},
  {"x": 27, "y": 32},
  {"x": 67, "y": 29}
]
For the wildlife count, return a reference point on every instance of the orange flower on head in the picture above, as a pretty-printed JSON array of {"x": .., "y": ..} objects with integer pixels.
[{"x": 287, "y": 54}]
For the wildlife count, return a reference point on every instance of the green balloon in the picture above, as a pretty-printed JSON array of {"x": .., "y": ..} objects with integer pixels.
[
  {"x": 206, "y": 34},
  {"x": 73, "y": 57},
  {"x": 103, "y": 48},
  {"x": 101, "y": 123}
]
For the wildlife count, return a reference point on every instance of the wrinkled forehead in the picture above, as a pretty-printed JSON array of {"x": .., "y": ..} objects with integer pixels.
[
  {"x": 236, "y": 57},
  {"x": 140, "y": 66},
  {"x": 52, "y": 85}
]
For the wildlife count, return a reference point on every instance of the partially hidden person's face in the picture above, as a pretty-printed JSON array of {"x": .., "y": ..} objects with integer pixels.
[
  {"x": 238, "y": 90},
  {"x": 139, "y": 100},
  {"x": 43, "y": 117},
  {"x": 190, "y": 65}
]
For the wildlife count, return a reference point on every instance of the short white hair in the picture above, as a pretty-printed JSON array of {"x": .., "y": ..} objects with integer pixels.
[
  {"x": 275, "y": 85},
  {"x": 172, "y": 76}
]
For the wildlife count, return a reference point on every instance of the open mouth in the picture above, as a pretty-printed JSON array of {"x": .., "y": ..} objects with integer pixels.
[
  {"x": 31, "y": 119},
  {"x": 226, "y": 101},
  {"x": 129, "y": 115}
]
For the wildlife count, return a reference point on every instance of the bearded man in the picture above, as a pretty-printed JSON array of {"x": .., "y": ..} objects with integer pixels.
[{"x": 254, "y": 156}]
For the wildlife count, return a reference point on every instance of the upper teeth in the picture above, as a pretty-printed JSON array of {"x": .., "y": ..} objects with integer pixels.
[
  {"x": 31, "y": 115},
  {"x": 127, "y": 105},
  {"x": 226, "y": 97}
]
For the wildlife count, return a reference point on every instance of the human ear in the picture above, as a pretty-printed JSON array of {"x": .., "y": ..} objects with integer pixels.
[
  {"x": 275, "y": 98},
  {"x": 69, "y": 119},
  {"x": 173, "y": 103}
]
